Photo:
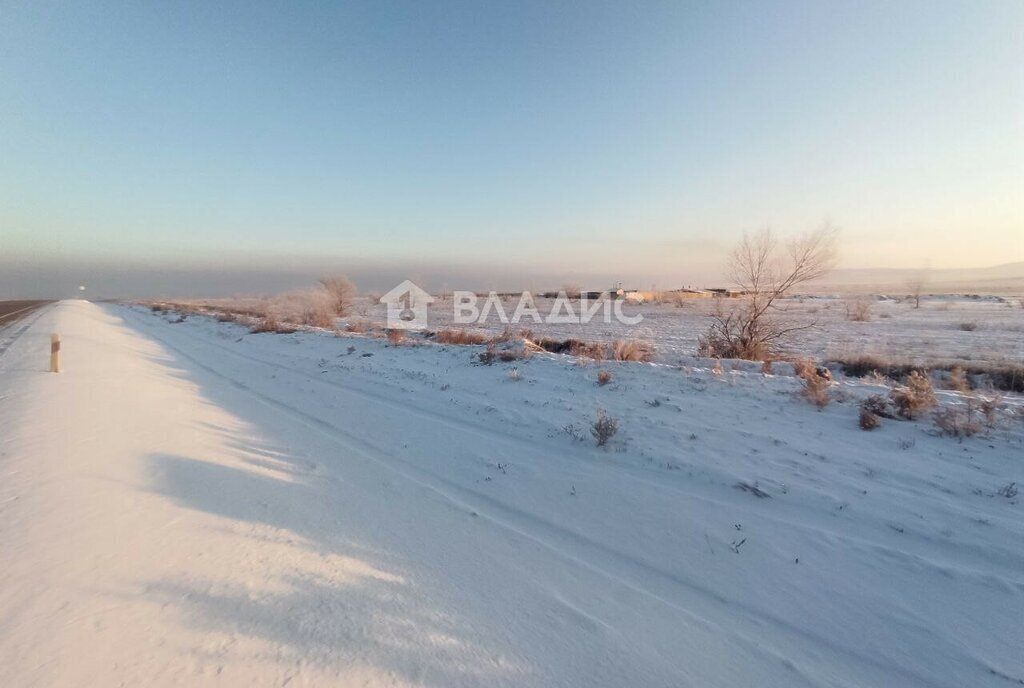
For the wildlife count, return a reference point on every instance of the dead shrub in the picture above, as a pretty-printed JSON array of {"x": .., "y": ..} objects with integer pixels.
[
  {"x": 816, "y": 391},
  {"x": 718, "y": 344},
  {"x": 604, "y": 377},
  {"x": 341, "y": 291},
  {"x": 868, "y": 420},
  {"x": 604, "y": 428},
  {"x": 956, "y": 422},
  {"x": 632, "y": 351},
  {"x": 396, "y": 337},
  {"x": 859, "y": 310},
  {"x": 766, "y": 367},
  {"x": 913, "y": 398},
  {"x": 878, "y": 405}
]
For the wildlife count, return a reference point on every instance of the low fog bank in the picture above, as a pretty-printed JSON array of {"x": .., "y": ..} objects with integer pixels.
[
  {"x": 30, "y": 278},
  {"x": 55, "y": 280},
  {"x": 998, "y": 279}
]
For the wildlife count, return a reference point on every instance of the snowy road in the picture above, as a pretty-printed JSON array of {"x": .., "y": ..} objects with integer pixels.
[{"x": 189, "y": 505}]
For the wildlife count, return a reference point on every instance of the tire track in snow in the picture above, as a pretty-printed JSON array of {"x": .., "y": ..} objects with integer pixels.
[{"x": 24, "y": 326}]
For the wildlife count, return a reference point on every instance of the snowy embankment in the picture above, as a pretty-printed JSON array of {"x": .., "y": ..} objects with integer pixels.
[{"x": 190, "y": 504}]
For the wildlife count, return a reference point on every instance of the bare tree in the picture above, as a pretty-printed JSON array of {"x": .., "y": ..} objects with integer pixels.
[
  {"x": 342, "y": 292},
  {"x": 766, "y": 271},
  {"x": 916, "y": 285}
]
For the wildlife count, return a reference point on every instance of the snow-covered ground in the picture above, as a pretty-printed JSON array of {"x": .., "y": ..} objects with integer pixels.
[
  {"x": 896, "y": 330},
  {"x": 189, "y": 504},
  {"x": 983, "y": 329}
]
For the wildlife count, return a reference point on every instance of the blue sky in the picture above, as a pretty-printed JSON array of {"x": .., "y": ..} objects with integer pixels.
[{"x": 607, "y": 138}]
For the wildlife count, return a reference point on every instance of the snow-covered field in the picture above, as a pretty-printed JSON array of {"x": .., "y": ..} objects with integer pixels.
[
  {"x": 983, "y": 329},
  {"x": 190, "y": 504}
]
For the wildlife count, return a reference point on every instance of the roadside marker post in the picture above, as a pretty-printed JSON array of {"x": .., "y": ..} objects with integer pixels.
[{"x": 54, "y": 353}]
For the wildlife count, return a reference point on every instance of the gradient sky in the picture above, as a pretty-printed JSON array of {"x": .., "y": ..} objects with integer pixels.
[{"x": 578, "y": 138}]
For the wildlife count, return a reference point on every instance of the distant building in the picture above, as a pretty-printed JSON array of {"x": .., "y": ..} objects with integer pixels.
[
  {"x": 677, "y": 294},
  {"x": 615, "y": 292}
]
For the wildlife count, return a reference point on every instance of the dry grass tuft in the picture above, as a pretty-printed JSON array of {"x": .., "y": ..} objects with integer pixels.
[
  {"x": 632, "y": 351},
  {"x": 604, "y": 377},
  {"x": 509, "y": 355},
  {"x": 396, "y": 337},
  {"x": 511, "y": 334},
  {"x": 587, "y": 351},
  {"x": 1007, "y": 376},
  {"x": 815, "y": 390},
  {"x": 461, "y": 337},
  {"x": 916, "y": 396},
  {"x": 990, "y": 409},
  {"x": 318, "y": 315},
  {"x": 805, "y": 368},
  {"x": 958, "y": 380},
  {"x": 270, "y": 324}
]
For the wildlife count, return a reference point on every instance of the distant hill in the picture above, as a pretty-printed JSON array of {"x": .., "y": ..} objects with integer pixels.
[{"x": 1005, "y": 278}]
